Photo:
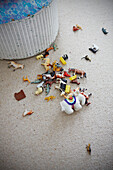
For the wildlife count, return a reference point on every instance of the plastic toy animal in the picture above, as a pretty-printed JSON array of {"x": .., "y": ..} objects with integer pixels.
[
  {"x": 73, "y": 102},
  {"x": 26, "y": 79},
  {"x": 88, "y": 147},
  {"x": 39, "y": 57},
  {"x": 27, "y": 113},
  {"x": 86, "y": 57},
  {"x": 104, "y": 31},
  {"x": 63, "y": 58},
  {"x": 15, "y": 65},
  {"x": 46, "y": 64},
  {"x": 50, "y": 97},
  {"x": 39, "y": 90},
  {"x": 75, "y": 28},
  {"x": 61, "y": 86},
  {"x": 76, "y": 71},
  {"x": 94, "y": 48},
  {"x": 78, "y": 27},
  {"x": 75, "y": 81}
]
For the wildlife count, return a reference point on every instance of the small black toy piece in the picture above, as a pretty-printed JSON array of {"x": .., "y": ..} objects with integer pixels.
[{"x": 104, "y": 31}]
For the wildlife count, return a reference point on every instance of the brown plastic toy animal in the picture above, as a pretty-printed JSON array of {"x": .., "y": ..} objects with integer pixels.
[{"x": 76, "y": 71}]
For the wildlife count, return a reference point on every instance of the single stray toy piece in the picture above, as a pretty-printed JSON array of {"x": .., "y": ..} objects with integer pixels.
[
  {"x": 15, "y": 65},
  {"x": 26, "y": 79},
  {"x": 104, "y": 31},
  {"x": 86, "y": 57},
  {"x": 75, "y": 28},
  {"x": 88, "y": 147},
  {"x": 20, "y": 95},
  {"x": 50, "y": 97},
  {"x": 27, "y": 113},
  {"x": 94, "y": 48}
]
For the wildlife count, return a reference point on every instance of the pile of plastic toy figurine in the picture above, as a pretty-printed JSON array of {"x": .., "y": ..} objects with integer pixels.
[{"x": 54, "y": 73}]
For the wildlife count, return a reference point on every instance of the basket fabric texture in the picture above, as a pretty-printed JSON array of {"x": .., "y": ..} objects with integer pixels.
[{"x": 27, "y": 27}]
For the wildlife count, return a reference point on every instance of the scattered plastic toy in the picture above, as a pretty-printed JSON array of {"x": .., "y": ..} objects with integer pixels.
[
  {"x": 50, "y": 97},
  {"x": 36, "y": 81},
  {"x": 61, "y": 86},
  {"x": 39, "y": 90},
  {"x": 88, "y": 147},
  {"x": 26, "y": 79},
  {"x": 73, "y": 77},
  {"x": 55, "y": 47},
  {"x": 86, "y": 57},
  {"x": 76, "y": 71},
  {"x": 26, "y": 112},
  {"x": 73, "y": 101},
  {"x": 75, "y": 81},
  {"x": 46, "y": 64},
  {"x": 63, "y": 58},
  {"x": 15, "y": 65},
  {"x": 79, "y": 27},
  {"x": 104, "y": 31},
  {"x": 94, "y": 48},
  {"x": 20, "y": 95},
  {"x": 47, "y": 89},
  {"x": 75, "y": 28},
  {"x": 39, "y": 57}
]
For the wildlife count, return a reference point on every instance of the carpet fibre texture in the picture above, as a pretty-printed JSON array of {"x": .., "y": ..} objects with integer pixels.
[{"x": 49, "y": 139}]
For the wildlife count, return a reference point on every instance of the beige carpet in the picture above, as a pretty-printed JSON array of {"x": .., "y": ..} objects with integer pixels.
[{"x": 49, "y": 139}]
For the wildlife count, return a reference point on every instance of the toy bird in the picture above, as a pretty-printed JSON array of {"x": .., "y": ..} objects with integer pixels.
[{"x": 86, "y": 57}]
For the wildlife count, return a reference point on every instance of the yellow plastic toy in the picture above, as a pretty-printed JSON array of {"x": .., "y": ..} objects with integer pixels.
[
  {"x": 62, "y": 61},
  {"x": 78, "y": 27},
  {"x": 67, "y": 89},
  {"x": 50, "y": 97},
  {"x": 39, "y": 57},
  {"x": 26, "y": 79},
  {"x": 73, "y": 77},
  {"x": 46, "y": 64}
]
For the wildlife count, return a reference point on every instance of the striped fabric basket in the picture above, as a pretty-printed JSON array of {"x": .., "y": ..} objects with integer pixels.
[{"x": 27, "y": 36}]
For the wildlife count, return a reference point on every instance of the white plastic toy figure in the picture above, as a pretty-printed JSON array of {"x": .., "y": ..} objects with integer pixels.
[{"x": 74, "y": 101}]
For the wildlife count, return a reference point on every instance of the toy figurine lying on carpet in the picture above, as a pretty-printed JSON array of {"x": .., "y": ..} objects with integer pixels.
[{"x": 74, "y": 101}]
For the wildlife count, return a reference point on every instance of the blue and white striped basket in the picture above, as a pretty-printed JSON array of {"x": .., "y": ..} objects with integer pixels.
[{"x": 29, "y": 36}]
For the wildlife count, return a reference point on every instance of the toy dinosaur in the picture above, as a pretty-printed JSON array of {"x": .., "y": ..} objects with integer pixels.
[
  {"x": 15, "y": 65},
  {"x": 50, "y": 97},
  {"x": 47, "y": 89}
]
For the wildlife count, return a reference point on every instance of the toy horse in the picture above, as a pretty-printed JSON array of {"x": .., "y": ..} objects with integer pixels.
[
  {"x": 74, "y": 101},
  {"x": 76, "y": 71},
  {"x": 15, "y": 65}
]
